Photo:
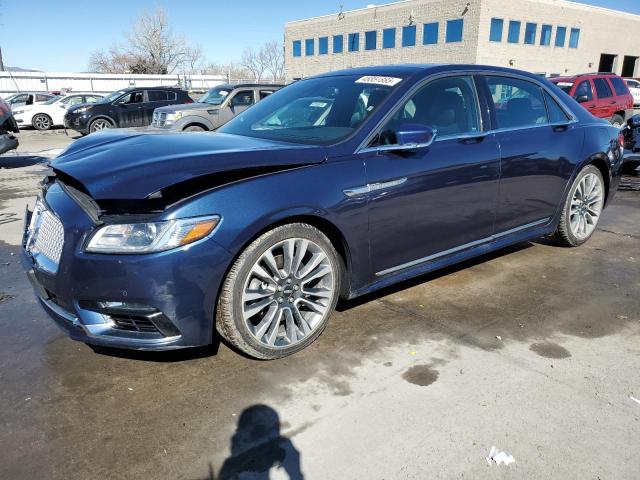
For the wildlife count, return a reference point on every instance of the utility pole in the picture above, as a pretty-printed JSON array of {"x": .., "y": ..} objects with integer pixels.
[{"x": 1, "y": 62}]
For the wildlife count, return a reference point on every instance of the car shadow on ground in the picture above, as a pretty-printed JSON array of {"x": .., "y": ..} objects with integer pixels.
[
  {"x": 163, "y": 356},
  {"x": 21, "y": 161}
]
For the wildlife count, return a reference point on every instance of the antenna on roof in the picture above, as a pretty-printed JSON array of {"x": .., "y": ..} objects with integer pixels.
[
  {"x": 341, "y": 13},
  {"x": 412, "y": 18}
]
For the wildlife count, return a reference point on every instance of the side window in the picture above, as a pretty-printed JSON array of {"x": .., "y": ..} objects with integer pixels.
[
  {"x": 518, "y": 103},
  {"x": 243, "y": 98},
  {"x": 157, "y": 95},
  {"x": 265, "y": 93},
  {"x": 42, "y": 98},
  {"x": 133, "y": 97},
  {"x": 449, "y": 105},
  {"x": 619, "y": 86},
  {"x": 555, "y": 112},
  {"x": 602, "y": 88},
  {"x": 70, "y": 101},
  {"x": 584, "y": 90},
  {"x": 91, "y": 99},
  {"x": 19, "y": 99}
]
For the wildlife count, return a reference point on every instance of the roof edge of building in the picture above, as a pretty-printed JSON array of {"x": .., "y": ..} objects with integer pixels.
[{"x": 568, "y": 3}]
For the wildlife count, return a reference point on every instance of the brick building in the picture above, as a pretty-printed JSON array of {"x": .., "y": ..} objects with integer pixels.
[{"x": 551, "y": 37}]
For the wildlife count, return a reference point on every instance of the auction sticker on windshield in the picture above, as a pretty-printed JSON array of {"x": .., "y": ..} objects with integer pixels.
[{"x": 389, "y": 81}]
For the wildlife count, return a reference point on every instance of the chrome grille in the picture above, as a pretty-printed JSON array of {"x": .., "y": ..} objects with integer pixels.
[
  {"x": 159, "y": 119},
  {"x": 46, "y": 234}
]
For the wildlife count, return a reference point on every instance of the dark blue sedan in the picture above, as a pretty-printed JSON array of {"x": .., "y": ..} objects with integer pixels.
[{"x": 334, "y": 186}]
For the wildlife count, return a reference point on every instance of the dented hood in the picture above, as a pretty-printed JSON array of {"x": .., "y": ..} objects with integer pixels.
[{"x": 133, "y": 165}]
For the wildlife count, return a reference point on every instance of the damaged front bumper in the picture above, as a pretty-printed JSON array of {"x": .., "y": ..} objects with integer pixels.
[{"x": 153, "y": 301}]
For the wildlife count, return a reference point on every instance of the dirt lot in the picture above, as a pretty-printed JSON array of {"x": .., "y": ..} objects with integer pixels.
[{"x": 534, "y": 350}]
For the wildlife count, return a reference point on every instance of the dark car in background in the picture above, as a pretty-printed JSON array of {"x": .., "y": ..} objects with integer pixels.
[
  {"x": 631, "y": 132},
  {"x": 334, "y": 186},
  {"x": 8, "y": 127},
  {"x": 130, "y": 107},
  {"x": 215, "y": 108},
  {"x": 604, "y": 95}
]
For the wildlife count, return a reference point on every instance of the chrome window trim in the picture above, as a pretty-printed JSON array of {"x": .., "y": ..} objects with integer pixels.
[
  {"x": 459, "y": 248},
  {"x": 362, "y": 147}
]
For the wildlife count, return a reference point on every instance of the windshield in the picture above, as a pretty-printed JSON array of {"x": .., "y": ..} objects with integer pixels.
[
  {"x": 112, "y": 96},
  {"x": 566, "y": 86},
  {"x": 51, "y": 100},
  {"x": 318, "y": 111},
  {"x": 215, "y": 96}
]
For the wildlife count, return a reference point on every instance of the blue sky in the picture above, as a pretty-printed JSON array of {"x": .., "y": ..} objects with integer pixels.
[{"x": 60, "y": 36}]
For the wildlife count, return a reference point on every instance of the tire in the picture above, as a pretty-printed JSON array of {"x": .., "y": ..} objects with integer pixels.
[
  {"x": 194, "y": 128},
  {"x": 568, "y": 234},
  {"x": 617, "y": 121},
  {"x": 42, "y": 121},
  {"x": 295, "y": 325},
  {"x": 99, "y": 124}
]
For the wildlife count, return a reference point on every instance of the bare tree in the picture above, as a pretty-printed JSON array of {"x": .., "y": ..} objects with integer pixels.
[
  {"x": 272, "y": 55},
  {"x": 151, "y": 47},
  {"x": 254, "y": 63},
  {"x": 233, "y": 71}
]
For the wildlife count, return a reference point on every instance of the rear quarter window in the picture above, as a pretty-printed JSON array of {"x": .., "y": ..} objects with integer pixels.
[
  {"x": 602, "y": 88},
  {"x": 619, "y": 86}
]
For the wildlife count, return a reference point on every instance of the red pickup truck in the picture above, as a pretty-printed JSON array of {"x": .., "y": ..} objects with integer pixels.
[{"x": 605, "y": 95}]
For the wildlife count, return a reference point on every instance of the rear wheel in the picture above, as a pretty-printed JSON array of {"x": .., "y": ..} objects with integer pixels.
[
  {"x": 42, "y": 121},
  {"x": 582, "y": 208},
  {"x": 279, "y": 293},
  {"x": 99, "y": 124},
  {"x": 617, "y": 121}
]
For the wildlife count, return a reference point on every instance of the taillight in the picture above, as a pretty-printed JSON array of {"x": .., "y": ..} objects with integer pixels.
[{"x": 621, "y": 139}]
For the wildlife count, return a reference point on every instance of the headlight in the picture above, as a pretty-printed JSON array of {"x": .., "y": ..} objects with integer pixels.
[
  {"x": 173, "y": 117},
  {"x": 81, "y": 109},
  {"x": 151, "y": 237}
]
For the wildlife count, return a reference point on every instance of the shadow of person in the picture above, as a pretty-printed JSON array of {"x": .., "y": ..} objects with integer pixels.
[{"x": 257, "y": 446}]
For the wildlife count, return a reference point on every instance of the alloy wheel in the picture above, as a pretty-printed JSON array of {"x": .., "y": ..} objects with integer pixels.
[
  {"x": 586, "y": 206},
  {"x": 288, "y": 292},
  {"x": 100, "y": 125},
  {"x": 42, "y": 122}
]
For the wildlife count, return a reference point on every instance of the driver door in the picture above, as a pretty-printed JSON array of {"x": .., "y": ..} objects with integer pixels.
[
  {"x": 130, "y": 109},
  {"x": 427, "y": 203},
  {"x": 237, "y": 104}
]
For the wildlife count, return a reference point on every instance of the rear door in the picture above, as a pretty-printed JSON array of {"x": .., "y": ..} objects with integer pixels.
[
  {"x": 605, "y": 101},
  {"x": 538, "y": 145}
]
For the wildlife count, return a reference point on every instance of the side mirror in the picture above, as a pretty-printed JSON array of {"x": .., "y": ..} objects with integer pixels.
[{"x": 582, "y": 99}]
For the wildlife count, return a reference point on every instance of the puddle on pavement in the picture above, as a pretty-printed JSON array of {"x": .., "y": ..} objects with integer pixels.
[
  {"x": 422, "y": 375},
  {"x": 550, "y": 350}
]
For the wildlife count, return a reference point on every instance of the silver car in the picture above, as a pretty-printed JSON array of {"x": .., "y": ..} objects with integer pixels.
[{"x": 214, "y": 109}]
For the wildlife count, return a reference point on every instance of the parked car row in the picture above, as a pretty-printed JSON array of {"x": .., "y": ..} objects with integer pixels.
[
  {"x": 605, "y": 95},
  {"x": 50, "y": 113}
]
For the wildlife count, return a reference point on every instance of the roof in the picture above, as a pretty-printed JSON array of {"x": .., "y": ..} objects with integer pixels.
[{"x": 571, "y": 78}]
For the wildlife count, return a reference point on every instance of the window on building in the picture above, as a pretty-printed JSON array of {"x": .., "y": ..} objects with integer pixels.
[
  {"x": 555, "y": 112},
  {"x": 561, "y": 33},
  {"x": 338, "y": 43},
  {"x": 297, "y": 48},
  {"x": 619, "y": 86},
  {"x": 602, "y": 88},
  {"x": 308, "y": 47},
  {"x": 518, "y": 103},
  {"x": 574, "y": 38},
  {"x": 370, "y": 40},
  {"x": 409, "y": 36},
  {"x": 389, "y": 38},
  {"x": 530, "y": 33},
  {"x": 495, "y": 35},
  {"x": 545, "y": 35},
  {"x": 323, "y": 45},
  {"x": 354, "y": 42},
  {"x": 430, "y": 33},
  {"x": 454, "y": 30},
  {"x": 514, "y": 32}
]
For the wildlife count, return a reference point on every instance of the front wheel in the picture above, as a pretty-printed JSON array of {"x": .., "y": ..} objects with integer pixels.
[
  {"x": 279, "y": 293},
  {"x": 99, "y": 124},
  {"x": 582, "y": 208},
  {"x": 42, "y": 121}
]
